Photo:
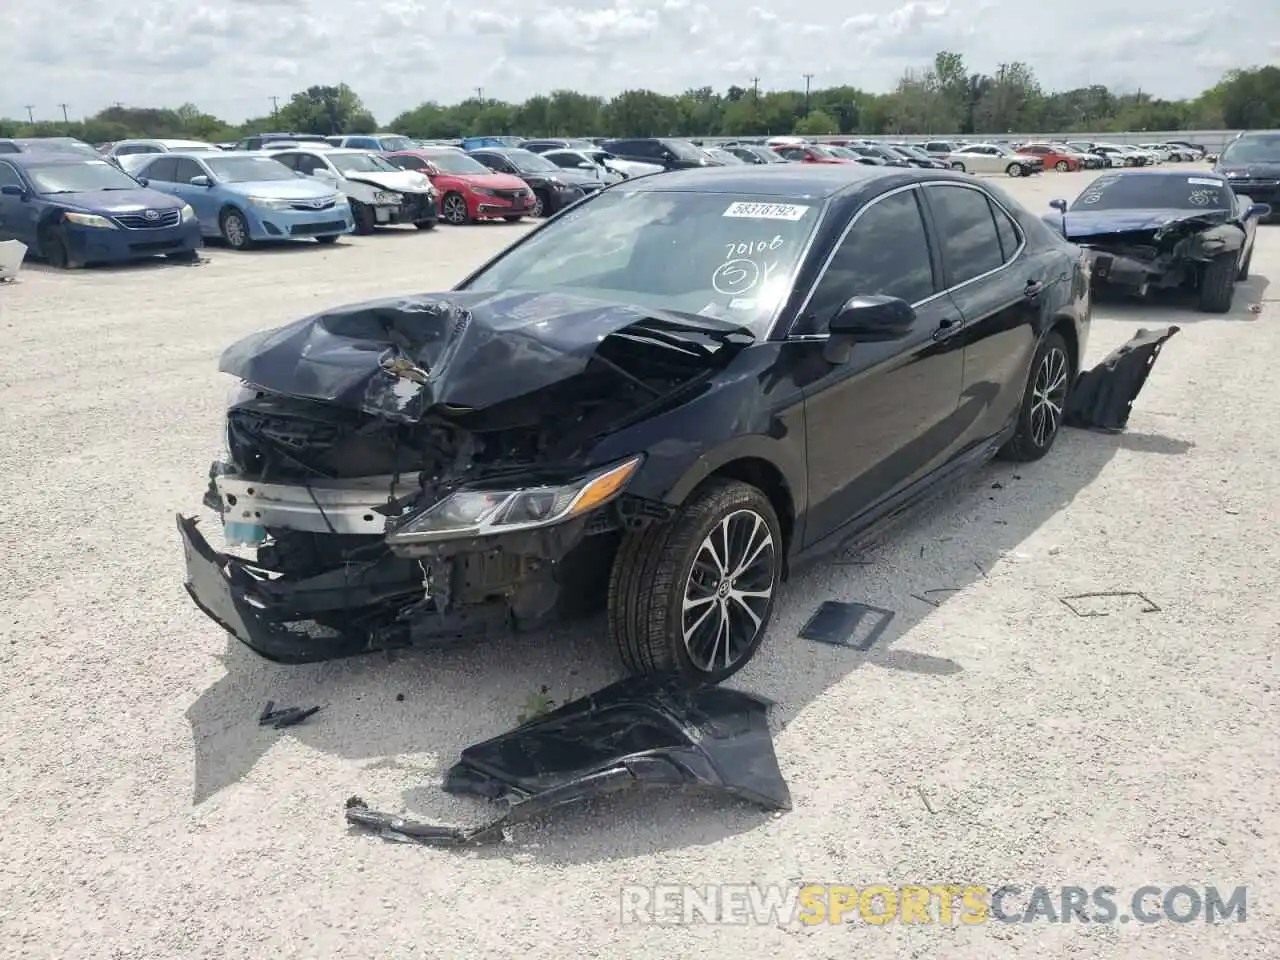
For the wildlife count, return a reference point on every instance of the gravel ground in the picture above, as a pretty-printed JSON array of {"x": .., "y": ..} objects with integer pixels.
[{"x": 993, "y": 738}]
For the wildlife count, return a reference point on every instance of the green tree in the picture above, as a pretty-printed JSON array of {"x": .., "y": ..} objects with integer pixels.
[
  {"x": 816, "y": 124},
  {"x": 326, "y": 110}
]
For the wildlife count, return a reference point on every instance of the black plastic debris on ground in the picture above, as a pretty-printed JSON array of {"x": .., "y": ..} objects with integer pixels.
[
  {"x": 1102, "y": 397},
  {"x": 1092, "y": 604},
  {"x": 639, "y": 733},
  {"x": 853, "y": 625},
  {"x": 288, "y": 717}
]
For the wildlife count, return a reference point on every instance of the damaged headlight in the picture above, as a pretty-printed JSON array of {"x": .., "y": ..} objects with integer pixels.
[{"x": 473, "y": 513}]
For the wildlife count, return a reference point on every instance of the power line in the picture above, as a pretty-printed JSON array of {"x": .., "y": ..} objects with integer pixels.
[{"x": 31, "y": 117}]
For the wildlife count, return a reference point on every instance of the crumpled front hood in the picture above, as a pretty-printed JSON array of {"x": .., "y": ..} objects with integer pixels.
[
  {"x": 115, "y": 202},
  {"x": 1078, "y": 224},
  {"x": 405, "y": 182},
  {"x": 398, "y": 358}
]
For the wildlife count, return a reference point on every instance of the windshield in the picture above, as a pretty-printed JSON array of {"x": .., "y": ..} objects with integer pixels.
[
  {"x": 769, "y": 156},
  {"x": 696, "y": 253},
  {"x": 818, "y": 151},
  {"x": 911, "y": 151},
  {"x": 1252, "y": 150},
  {"x": 395, "y": 144},
  {"x": 362, "y": 163},
  {"x": 59, "y": 145},
  {"x": 248, "y": 169},
  {"x": 842, "y": 152},
  {"x": 1154, "y": 192},
  {"x": 724, "y": 156},
  {"x": 451, "y": 161},
  {"x": 526, "y": 161},
  {"x": 80, "y": 177}
]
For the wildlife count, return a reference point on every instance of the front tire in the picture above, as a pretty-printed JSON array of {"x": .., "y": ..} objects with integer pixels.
[
  {"x": 365, "y": 218},
  {"x": 1040, "y": 415},
  {"x": 453, "y": 210},
  {"x": 541, "y": 205},
  {"x": 958, "y": 167},
  {"x": 1014, "y": 170},
  {"x": 1218, "y": 284},
  {"x": 1062, "y": 166},
  {"x": 235, "y": 229},
  {"x": 694, "y": 596},
  {"x": 54, "y": 249}
]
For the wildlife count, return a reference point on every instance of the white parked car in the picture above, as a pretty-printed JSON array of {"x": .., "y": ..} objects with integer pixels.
[
  {"x": 1158, "y": 150},
  {"x": 380, "y": 193},
  {"x": 582, "y": 160},
  {"x": 993, "y": 158},
  {"x": 146, "y": 149}
]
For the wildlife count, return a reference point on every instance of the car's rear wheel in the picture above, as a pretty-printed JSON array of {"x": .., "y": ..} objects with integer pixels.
[
  {"x": 53, "y": 247},
  {"x": 694, "y": 596},
  {"x": 1062, "y": 166},
  {"x": 1045, "y": 399},
  {"x": 453, "y": 209},
  {"x": 1218, "y": 283},
  {"x": 235, "y": 230},
  {"x": 1014, "y": 170}
]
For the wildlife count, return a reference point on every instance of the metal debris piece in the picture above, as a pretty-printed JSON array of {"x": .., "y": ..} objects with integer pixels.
[
  {"x": 925, "y": 797},
  {"x": 925, "y": 598},
  {"x": 854, "y": 625},
  {"x": 288, "y": 717},
  {"x": 1081, "y": 609}
]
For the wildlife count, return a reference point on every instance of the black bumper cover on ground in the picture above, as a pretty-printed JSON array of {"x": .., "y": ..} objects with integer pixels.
[
  {"x": 1102, "y": 397},
  {"x": 639, "y": 733}
]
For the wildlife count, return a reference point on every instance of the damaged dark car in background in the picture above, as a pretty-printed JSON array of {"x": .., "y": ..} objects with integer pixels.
[
  {"x": 1165, "y": 230},
  {"x": 660, "y": 402}
]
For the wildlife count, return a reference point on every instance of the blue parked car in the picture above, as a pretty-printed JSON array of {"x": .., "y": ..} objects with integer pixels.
[
  {"x": 246, "y": 197},
  {"x": 483, "y": 143},
  {"x": 72, "y": 211}
]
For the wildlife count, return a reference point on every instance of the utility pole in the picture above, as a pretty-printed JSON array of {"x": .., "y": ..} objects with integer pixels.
[
  {"x": 275, "y": 105},
  {"x": 807, "y": 78},
  {"x": 31, "y": 117},
  {"x": 118, "y": 105},
  {"x": 480, "y": 94},
  {"x": 64, "y": 113},
  {"x": 755, "y": 89}
]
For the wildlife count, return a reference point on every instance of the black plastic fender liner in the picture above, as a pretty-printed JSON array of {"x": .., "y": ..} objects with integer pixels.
[
  {"x": 639, "y": 733},
  {"x": 1102, "y": 397}
]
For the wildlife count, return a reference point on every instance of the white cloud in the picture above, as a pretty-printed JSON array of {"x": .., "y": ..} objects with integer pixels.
[{"x": 231, "y": 56}]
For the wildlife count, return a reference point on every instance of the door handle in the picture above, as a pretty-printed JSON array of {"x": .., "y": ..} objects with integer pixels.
[
  {"x": 945, "y": 325},
  {"x": 1032, "y": 290}
]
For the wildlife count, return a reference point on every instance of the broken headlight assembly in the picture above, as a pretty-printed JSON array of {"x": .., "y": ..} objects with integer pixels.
[{"x": 478, "y": 513}]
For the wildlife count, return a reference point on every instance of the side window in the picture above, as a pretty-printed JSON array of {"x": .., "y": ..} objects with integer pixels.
[
  {"x": 9, "y": 176},
  {"x": 364, "y": 143},
  {"x": 563, "y": 160},
  {"x": 409, "y": 163},
  {"x": 185, "y": 170},
  {"x": 649, "y": 148},
  {"x": 163, "y": 170},
  {"x": 1007, "y": 230},
  {"x": 6, "y": 147},
  {"x": 308, "y": 164},
  {"x": 967, "y": 229},
  {"x": 290, "y": 160},
  {"x": 886, "y": 252},
  {"x": 791, "y": 153}
]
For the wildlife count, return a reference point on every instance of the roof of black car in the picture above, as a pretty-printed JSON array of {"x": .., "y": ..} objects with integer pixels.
[{"x": 781, "y": 179}]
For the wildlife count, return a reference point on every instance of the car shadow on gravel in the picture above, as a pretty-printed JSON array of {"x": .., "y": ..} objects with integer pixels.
[{"x": 404, "y": 717}]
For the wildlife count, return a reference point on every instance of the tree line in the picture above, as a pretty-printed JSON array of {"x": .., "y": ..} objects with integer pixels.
[{"x": 944, "y": 98}]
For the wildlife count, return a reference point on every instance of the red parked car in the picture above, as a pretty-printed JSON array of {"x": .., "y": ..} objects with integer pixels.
[
  {"x": 1062, "y": 162},
  {"x": 809, "y": 153},
  {"x": 468, "y": 190}
]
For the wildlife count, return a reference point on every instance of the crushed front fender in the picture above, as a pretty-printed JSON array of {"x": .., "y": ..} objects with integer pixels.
[{"x": 639, "y": 733}]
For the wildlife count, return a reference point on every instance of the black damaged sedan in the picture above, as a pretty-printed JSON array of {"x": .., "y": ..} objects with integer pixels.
[{"x": 662, "y": 401}]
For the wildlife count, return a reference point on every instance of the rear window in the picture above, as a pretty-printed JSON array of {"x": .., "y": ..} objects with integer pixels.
[{"x": 1146, "y": 192}]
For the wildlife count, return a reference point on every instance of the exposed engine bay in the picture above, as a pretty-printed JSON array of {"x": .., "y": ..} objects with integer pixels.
[
  {"x": 1169, "y": 255},
  {"x": 416, "y": 470}
]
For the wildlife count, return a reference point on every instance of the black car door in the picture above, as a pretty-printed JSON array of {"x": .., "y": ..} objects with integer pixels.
[
  {"x": 17, "y": 215},
  {"x": 999, "y": 285},
  {"x": 885, "y": 417}
]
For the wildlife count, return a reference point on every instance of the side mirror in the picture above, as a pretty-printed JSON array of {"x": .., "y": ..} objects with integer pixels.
[
  {"x": 586, "y": 165},
  {"x": 200, "y": 181},
  {"x": 1258, "y": 210},
  {"x": 12, "y": 190},
  {"x": 143, "y": 181},
  {"x": 1059, "y": 205},
  {"x": 870, "y": 319}
]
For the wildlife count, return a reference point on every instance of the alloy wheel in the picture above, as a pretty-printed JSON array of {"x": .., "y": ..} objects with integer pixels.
[
  {"x": 1048, "y": 395},
  {"x": 728, "y": 592},
  {"x": 235, "y": 231},
  {"x": 537, "y": 210},
  {"x": 455, "y": 209}
]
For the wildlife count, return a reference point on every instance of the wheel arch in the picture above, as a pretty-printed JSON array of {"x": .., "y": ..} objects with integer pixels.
[{"x": 1065, "y": 327}]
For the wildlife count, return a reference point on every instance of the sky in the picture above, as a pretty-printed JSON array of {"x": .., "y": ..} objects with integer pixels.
[{"x": 229, "y": 57}]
